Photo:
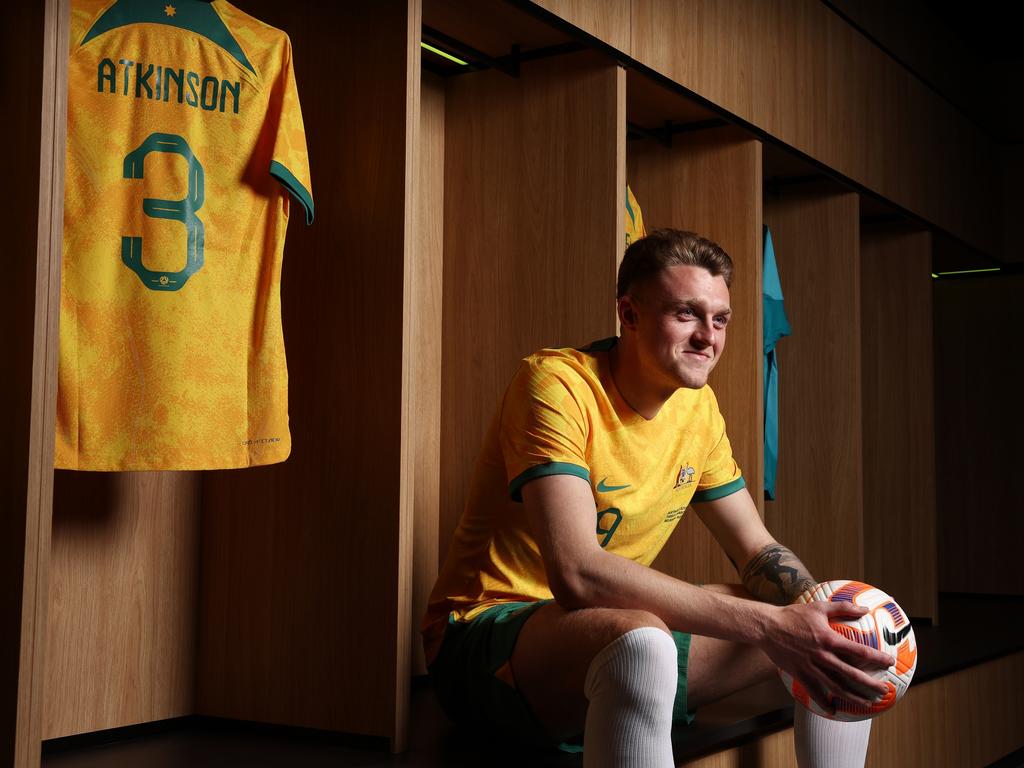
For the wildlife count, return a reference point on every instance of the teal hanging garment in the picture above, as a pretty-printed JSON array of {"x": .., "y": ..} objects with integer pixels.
[{"x": 775, "y": 327}]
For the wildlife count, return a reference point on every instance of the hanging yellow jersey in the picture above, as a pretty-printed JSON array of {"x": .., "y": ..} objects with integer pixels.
[
  {"x": 634, "y": 219},
  {"x": 184, "y": 140},
  {"x": 563, "y": 415}
]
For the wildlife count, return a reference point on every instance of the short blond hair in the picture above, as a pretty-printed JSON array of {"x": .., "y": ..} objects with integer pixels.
[{"x": 664, "y": 248}]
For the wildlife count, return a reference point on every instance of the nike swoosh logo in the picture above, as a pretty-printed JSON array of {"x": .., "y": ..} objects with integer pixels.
[
  {"x": 602, "y": 488},
  {"x": 894, "y": 639}
]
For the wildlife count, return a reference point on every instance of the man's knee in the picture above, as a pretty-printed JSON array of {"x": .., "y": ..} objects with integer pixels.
[
  {"x": 555, "y": 655},
  {"x": 639, "y": 666},
  {"x": 623, "y": 620}
]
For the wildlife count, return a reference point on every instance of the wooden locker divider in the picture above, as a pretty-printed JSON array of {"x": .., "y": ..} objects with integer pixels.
[
  {"x": 709, "y": 182},
  {"x": 900, "y": 549},
  {"x": 819, "y": 489},
  {"x": 426, "y": 308},
  {"x": 305, "y": 596},
  {"x": 534, "y": 185},
  {"x": 34, "y": 44}
]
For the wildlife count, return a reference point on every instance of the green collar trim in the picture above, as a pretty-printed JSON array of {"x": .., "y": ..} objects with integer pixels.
[
  {"x": 602, "y": 345},
  {"x": 192, "y": 15}
]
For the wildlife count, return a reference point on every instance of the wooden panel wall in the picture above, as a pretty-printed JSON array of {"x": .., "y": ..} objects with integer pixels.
[
  {"x": 33, "y": 45},
  {"x": 968, "y": 718},
  {"x": 900, "y": 547},
  {"x": 939, "y": 55},
  {"x": 121, "y": 631},
  {"x": 710, "y": 182},
  {"x": 819, "y": 489},
  {"x": 979, "y": 330},
  {"x": 607, "y": 20},
  {"x": 534, "y": 184},
  {"x": 949, "y": 722},
  {"x": 798, "y": 71},
  {"x": 306, "y": 565},
  {"x": 426, "y": 361},
  {"x": 974, "y": 81}
]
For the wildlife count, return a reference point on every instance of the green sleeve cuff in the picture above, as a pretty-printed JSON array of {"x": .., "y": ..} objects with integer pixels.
[
  {"x": 542, "y": 470},
  {"x": 719, "y": 492},
  {"x": 294, "y": 186}
]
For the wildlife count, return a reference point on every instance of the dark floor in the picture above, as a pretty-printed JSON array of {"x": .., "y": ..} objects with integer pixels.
[
  {"x": 1016, "y": 760},
  {"x": 434, "y": 742}
]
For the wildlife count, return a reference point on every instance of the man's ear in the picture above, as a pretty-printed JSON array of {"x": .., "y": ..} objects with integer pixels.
[{"x": 627, "y": 312}]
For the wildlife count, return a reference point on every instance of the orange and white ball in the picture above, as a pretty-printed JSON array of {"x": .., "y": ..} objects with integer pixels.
[{"x": 885, "y": 627}]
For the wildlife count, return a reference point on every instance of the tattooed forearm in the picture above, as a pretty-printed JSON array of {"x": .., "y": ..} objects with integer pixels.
[{"x": 776, "y": 575}]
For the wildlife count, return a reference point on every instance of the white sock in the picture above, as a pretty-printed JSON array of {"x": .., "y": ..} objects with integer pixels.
[
  {"x": 824, "y": 743},
  {"x": 631, "y": 685}
]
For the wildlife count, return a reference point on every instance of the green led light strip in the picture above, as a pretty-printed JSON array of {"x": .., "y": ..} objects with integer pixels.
[
  {"x": 448, "y": 56},
  {"x": 965, "y": 272}
]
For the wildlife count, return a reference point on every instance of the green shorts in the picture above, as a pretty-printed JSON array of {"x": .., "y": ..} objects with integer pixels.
[{"x": 472, "y": 684}]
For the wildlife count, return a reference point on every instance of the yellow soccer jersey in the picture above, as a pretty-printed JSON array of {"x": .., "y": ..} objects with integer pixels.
[
  {"x": 184, "y": 140},
  {"x": 634, "y": 219},
  {"x": 562, "y": 414}
]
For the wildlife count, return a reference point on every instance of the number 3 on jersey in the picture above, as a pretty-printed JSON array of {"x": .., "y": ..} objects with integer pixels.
[{"x": 176, "y": 210}]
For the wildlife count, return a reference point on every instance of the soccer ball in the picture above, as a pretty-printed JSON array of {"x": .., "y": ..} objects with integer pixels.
[{"x": 885, "y": 627}]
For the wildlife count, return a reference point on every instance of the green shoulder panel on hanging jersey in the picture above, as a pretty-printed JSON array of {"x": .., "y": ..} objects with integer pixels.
[
  {"x": 634, "y": 219},
  {"x": 189, "y": 15}
]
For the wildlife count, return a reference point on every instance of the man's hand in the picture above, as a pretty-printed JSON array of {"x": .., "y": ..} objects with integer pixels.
[
  {"x": 796, "y": 637},
  {"x": 799, "y": 640}
]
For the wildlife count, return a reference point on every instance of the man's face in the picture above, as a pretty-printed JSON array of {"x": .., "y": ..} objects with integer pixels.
[{"x": 679, "y": 319}]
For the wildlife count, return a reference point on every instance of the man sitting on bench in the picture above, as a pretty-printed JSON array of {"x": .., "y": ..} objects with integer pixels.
[{"x": 546, "y": 620}]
